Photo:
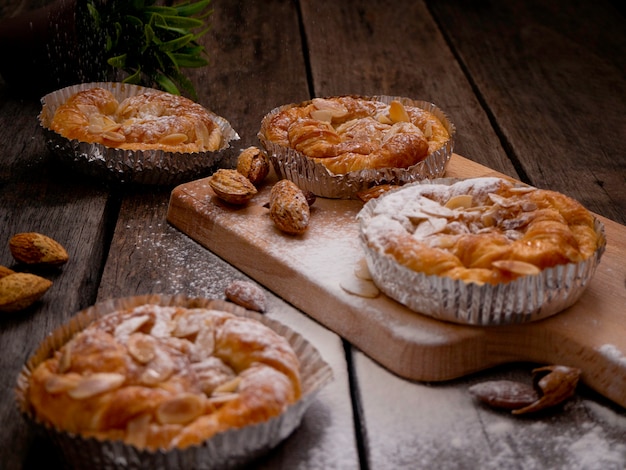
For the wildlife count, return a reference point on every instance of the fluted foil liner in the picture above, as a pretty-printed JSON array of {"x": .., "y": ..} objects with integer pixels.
[
  {"x": 229, "y": 449},
  {"x": 149, "y": 167},
  {"x": 315, "y": 177},
  {"x": 525, "y": 299}
]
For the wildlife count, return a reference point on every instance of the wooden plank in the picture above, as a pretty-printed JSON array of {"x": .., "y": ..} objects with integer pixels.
[
  {"x": 552, "y": 77},
  {"x": 36, "y": 194},
  {"x": 308, "y": 271}
]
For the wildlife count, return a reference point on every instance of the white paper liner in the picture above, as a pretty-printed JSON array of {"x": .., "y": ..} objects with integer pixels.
[
  {"x": 149, "y": 167},
  {"x": 315, "y": 177},
  {"x": 229, "y": 449},
  {"x": 525, "y": 299}
]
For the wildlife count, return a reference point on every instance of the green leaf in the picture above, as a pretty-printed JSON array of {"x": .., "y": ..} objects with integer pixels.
[
  {"x": 134, "y": 78},
  {"x": 149, "y": 37},
  {"x": 182, "y": 22},
  {"x": 118, "y": 61},
  {"x": 190, "y": 9},
  {"x": 189, "y": 60},
  {"x": 161, "y": 10},
  {"x": 166, "y": 84},
  {"x": 175, "y": 44}
]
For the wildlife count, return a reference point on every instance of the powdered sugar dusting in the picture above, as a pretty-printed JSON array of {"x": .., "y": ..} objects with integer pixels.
[{"x": 418, "y": 425}]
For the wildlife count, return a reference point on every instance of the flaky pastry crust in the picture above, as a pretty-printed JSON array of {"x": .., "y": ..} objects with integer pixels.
[
  {"x": 482, "y": 230},
  {"x": 152, "y": 120},
  {"x": 347, "y": 134},
  {"x": 166, "y": 377}
]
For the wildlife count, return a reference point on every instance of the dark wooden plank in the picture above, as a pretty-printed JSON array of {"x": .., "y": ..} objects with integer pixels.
[
  {"x": 552, "y": 75},
  {"x": 36, "y": 194},
  {"x": 376, "y": 48}
]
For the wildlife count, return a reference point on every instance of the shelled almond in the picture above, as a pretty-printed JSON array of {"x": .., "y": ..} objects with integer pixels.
[
  {"x": 35, "y": 248},
  {"x": 231, "y": 186},
  {"x": 289, "y": 209},
  {"x": 20, "y": 290}
]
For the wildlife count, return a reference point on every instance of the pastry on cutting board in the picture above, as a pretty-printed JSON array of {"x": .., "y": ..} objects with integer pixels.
[{"x": 480, "y": 234}]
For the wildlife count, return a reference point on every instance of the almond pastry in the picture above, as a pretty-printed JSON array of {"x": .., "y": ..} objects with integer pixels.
[
  {"x": 152, "y": 120},
  {"x": 161, "y": 377},
  {"x": 481, "y": 230},
  {"x": 347, "y": 134}
]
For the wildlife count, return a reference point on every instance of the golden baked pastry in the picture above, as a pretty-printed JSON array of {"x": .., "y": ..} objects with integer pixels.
[
  {"x": 348, "y": 133},
  {"x": 152, "y": 120},
  {"x": 482, "y": 230},
  {"x": 165, "y": 377}
]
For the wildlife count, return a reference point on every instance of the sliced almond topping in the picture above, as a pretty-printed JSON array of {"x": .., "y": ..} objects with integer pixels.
[
  {"x": 397, "y": 113},
  {"x": 96, "y": 384},
  {"x": 516, "y": 267},
  {"x": 460, "y": 201},
  {"x": 187, "y": 325},
  {"x": 65, "y": 360},
  {"x": 214, "y": 142},
  {"x": 62, "y": 383},
  {"x": 222, "y": 399},
  {"x": 158, "y": 370},
  {"x": 141, "y": 347},
  {"x": 173, "y": 139},
  {"x": 228, "y": 387},
  {"x": 114, "y": 136},
  {"x": 137, "y": 430},
  {"x": 322, "y": 115},
  {"x": 334, "y": 108},
  {"x": 130, "y": 325},
  {"x": 360, "y": 287},
  {"x": 204, "y": 346},
  {"x": 181, "y": 409}
]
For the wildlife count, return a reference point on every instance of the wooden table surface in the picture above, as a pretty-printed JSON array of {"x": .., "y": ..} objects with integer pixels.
[{"x": 537, "y": 91}]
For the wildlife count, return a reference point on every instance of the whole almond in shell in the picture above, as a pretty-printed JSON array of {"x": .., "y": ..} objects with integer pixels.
[
  {"x": 289, "y": 209},
  {"x": 253, "y": 164},
  {"x": 35, "y": 248},
  {"x": 231, "y": 186},
  {"x": 20, "y": 290}
]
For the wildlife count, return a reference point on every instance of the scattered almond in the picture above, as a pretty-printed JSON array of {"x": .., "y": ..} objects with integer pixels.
[
  {"x": 253, "y": 164},
  {"x": 20, "y": 290},
  {"x": 360, "y": 287},
  {"x": 246, "y": 294},
  {"x": 231, "y": 186},
  {"x": 504, "y": 394},
  {"x": 4, "y": 271},
  {"x": 35, "y": 248},
  {"x": 289, "y": 209},
  {"x": 551, "y": 386}
]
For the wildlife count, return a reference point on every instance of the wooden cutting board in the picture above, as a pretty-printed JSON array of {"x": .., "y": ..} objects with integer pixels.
[{"x": 308, "y": 271}]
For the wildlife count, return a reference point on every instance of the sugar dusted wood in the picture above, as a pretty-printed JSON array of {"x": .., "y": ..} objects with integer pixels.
[{"x": 307, "y": 271}]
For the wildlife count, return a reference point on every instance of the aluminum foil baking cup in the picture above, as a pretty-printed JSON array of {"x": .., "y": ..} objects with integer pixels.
[
  {"x": 527, "y": 298},
  {"x": 229, "y": 449},
  {"x": 315, "y": 177},
  {"x": 149, "y": 167}
]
